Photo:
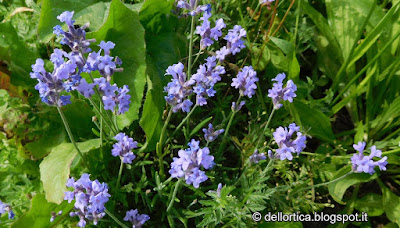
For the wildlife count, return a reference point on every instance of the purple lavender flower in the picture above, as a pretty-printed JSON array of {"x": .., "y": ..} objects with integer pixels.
[
  {"x": 245, "y": 81},
  {"x": 235, "y": 42},
  {"x": 54, "y": 215},
  {"x": 362, "y": 163},
  {"x": 189, "y": 163},
  {"x": 123, "y": 148},
  {"x": 287, "y": 146},
  {"x": 50, "y": 85},
  {"x": 278, "y": 93},
  {"x": 85, "y": 88},
  {"x": 265, "y": 1},
  {"x": 210, "y": 135},
  {"x": 75, "y": 38},
  {"x": 113, "y": 96},
  {"x": 90, "y": 198},
  {"x": 6, "y": 208},
  {"x": 135, "y": 218},
  {"x": 236, "y": 108},
  {"x": 206, "y": 77},
  {"x": 207, "y": 33},
  {"x": 178, "y": 89},
  {"x": 256, "y": 157},
  {"x": 192, "y": 7}
]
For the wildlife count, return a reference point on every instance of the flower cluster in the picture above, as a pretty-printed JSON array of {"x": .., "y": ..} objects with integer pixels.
[
  {"x": 189, "y": 163},
  {"x": 245, "y": 81},
  {"x": 208, "y": 34},
  {"x": 178, "y": 89},
  {"x": 256, "y": 157},
  {"x": 235, "y": 42},
  {"x": 123, "y": 148},
  {"x": 362, "y": 163},
  {"x": 50, "y": 85},
  {"x": 210, "y": 135},
  {"x": 192, "y": 7},
  {"x": 75, "y": 38},
  {"x": 6, "y": 208},
  {"x": 287, "y": 146},
  {"x": 113, "y": 96},
  {"x": 278, "y": 93},
  {"x": 135, "y": 218},
  {"x": 90, "y": 197},
  {"x": 68, "y": 67},
  {"x": 206, "y": 77}
]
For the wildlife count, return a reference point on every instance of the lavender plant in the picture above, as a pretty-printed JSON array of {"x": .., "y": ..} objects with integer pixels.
[{"x": 245, "y": 168}]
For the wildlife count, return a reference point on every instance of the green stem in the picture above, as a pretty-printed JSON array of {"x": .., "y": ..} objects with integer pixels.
[
  {"x": 326, "y": 183},
  {"x": 266, "y": 125},
  {"x": 162, "y": 136},
  {"x": 197, "y": 57},
  {"x": 115, "y": 219},
  {"x": 182, "y": 122},
  {"x": 171, "y": 203},
  {"x": 102, "y": 115},
  {"x": 222, "y": 146},
  {"x": 191, "y": 45},
  {"x": 121, "y": 167},
  {"x": 71, "y": 137}
]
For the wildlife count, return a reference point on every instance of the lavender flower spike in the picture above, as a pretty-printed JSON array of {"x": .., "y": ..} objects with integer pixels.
[
  {"x": 189, "y": 163},
  {"x": 210, "y": 135},
  {"x": 245, "y": 81},
  {"x": 90, "y": 198},
  {"x": 123, "y": 148},
  {"x": 6, "y": 208},
  {"x": 278, "y": 93},
  {"x": 256, "y": 157},
  {"x": 135, "y": 218},
  {"x": 362, "y": 163},
  {"x": 288, "y": 146}
]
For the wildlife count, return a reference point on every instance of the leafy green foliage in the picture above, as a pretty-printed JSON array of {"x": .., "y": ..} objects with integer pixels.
[{"x": 55, "y": 168}]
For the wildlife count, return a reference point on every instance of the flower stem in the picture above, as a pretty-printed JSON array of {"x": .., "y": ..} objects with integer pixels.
[
  {"x": 121, "y": 167},
  {"x": 71, "y": 137},
  {"x": 266, "y": 126},
  {"x": 326, "y": 183},
  {"x": 182, "y": 122},
  {"x": 174, "y": 194},
  {"x": 102, "y": 115},
  {"x": 115, "y": 219},
  {"x": 163, "y": 131},
  {"x": 222, "y": 145},
  {"x": 189, "y": 66}
]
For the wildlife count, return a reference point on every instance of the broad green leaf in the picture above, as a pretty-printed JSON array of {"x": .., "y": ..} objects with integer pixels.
[
  {"x": 55, "y": 168},
  {"x": 391, "y": 204},
  {"x": 313, "y": 121},
  {"x": 124, "y": 29},
  {"x": 344, "y": 22},
  {"x": 371, "y": 204},
  {"x": 164, "y": 48},
  {"x": 52, "y": 8},
  {"x": 18, "y": 56},
  {"x": 40, "y": 212},
  {"x": 338, "y": 188},
  {"x": 323, "y": 26},
  {"x": 286, "y": 46}
]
